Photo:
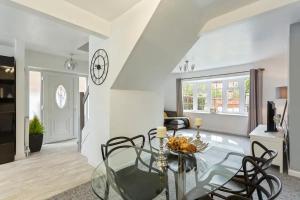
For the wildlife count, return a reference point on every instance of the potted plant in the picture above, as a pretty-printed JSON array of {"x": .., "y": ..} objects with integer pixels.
[{"x": 36, "y": 130}]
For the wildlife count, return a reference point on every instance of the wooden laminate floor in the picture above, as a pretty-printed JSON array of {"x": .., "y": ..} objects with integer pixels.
[{"x": 58, "y": 167}]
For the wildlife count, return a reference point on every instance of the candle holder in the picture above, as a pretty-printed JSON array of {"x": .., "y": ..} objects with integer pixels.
[
  {"x": 161, "y": 160},
  {"x": 198, "y": 142}
]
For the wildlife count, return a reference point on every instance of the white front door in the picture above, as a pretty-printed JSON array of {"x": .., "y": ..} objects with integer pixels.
[{"x": 58, "y": 106}]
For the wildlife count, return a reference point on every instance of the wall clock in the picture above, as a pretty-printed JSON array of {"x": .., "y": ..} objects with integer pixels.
[{"x": 99, "y": 66}]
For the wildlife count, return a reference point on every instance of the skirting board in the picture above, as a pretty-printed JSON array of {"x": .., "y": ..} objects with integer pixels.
[{"x": 294, "y": 173}]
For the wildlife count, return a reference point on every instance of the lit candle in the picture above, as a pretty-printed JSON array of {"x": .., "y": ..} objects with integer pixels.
[
  {"x": 161, "y": 132},
  {"x": 198, "y": 122}
]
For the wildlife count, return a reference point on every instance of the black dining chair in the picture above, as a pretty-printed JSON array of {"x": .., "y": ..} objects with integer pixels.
[
  {"x": 237, "y": 184},
  {"x": 254, "y": 175},
  {"x": 269, "y": 187},
  {"x": 131, "y": 180}
]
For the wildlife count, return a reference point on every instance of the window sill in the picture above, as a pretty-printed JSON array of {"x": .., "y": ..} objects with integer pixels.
[{"x": 219, "y": 113}]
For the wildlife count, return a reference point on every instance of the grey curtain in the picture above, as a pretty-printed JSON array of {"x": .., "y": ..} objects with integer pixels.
[
  {"x": 255, "y": 100},
  {"x": 179, "y": 106}
]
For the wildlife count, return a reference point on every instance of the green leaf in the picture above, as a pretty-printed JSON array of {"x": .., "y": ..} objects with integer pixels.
[{"x": 36, "y": 127}]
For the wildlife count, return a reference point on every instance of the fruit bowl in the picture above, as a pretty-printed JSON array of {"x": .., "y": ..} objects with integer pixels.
[{"x": 181, "y": 145}]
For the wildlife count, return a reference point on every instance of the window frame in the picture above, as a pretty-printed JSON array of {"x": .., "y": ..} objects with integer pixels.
[
  {"x": 225, "y": 85},
  {"x": 183, "y": 96}
]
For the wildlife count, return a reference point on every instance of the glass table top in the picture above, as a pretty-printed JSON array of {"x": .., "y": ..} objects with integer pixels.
[{"x": 132, "y": 173}]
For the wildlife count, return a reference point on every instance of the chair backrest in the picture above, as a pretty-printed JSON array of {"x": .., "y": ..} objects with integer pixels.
[
  {"x": 266, "y": 158},
  {"x": 266, "y": 185},
  {"x": 116, "y": 143},
  {"x": 152, "y": 134}
]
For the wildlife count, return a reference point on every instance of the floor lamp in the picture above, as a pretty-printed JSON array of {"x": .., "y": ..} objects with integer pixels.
[{"x": 282, "y": 93}]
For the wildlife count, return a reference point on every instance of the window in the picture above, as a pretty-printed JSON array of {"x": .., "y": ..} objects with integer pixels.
[
  {"x": 233, "y": 97},
  {"x": 222, "y": 95},
  {"x": 216, "y": 96},
  {"x": 187, "y": 94},
  {"x": 202, "y": 97}
]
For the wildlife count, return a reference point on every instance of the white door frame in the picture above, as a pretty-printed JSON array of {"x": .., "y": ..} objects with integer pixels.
[{"x": 76, "y": 123}]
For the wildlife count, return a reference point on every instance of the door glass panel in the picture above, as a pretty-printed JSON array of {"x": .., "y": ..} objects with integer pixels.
[
  {"x": 61, "y": 96},
  {"x": 35, "y": 83}
]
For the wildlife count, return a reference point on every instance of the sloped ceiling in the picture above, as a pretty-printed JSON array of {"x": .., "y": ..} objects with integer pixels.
[
  {"x": 171, "y": 32},
  {"x": 251, "y": 40},
  {"x": 106, "y": 9}
]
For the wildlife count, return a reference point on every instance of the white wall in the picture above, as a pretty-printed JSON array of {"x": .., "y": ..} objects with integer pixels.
[
  {"x": 126, "y": 30},
  {"x": 135, "y": 112},
  {"x": 20, "y": 98},
  {"x": 233, "y": 124},
  {"x": 6, "y": 51},
  {"x": 275, "y": 74}
]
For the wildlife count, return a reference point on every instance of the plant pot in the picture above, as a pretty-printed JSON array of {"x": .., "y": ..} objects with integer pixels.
[{"x": 35, "y": 142}]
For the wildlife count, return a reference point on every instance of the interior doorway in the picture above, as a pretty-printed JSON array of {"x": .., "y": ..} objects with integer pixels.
[{"x": 54, "y": 99}]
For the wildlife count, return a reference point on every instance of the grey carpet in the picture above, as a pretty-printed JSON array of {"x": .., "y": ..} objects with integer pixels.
[
  {"x": 290, "y": 191},
  {"x": 81, "y": 192}
]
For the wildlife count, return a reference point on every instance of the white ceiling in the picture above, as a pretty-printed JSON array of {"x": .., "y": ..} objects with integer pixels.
[
  {"x": 40, "y": 33},
  {"x": 106, "y": 9},
  {"x": 247, "y": 41}
]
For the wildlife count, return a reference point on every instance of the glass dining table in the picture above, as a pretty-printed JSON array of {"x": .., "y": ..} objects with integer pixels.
[{"x": 133, "y": 174}]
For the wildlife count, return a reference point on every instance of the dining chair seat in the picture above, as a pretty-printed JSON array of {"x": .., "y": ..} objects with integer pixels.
[
  {"x": 140, "y": 180},
  {"x": 235, "y": 185}
]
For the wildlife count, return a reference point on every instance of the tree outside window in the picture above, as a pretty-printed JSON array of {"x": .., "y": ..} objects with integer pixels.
[
  {"x": 202, "y": 96},
  {"x": 187, "y": 92},
  {"x": 216, "y": 95},
  {"x": 233, "y": 97}
]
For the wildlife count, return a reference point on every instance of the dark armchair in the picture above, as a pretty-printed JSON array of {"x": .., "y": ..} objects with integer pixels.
[{"x": 173, "y": 122}]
